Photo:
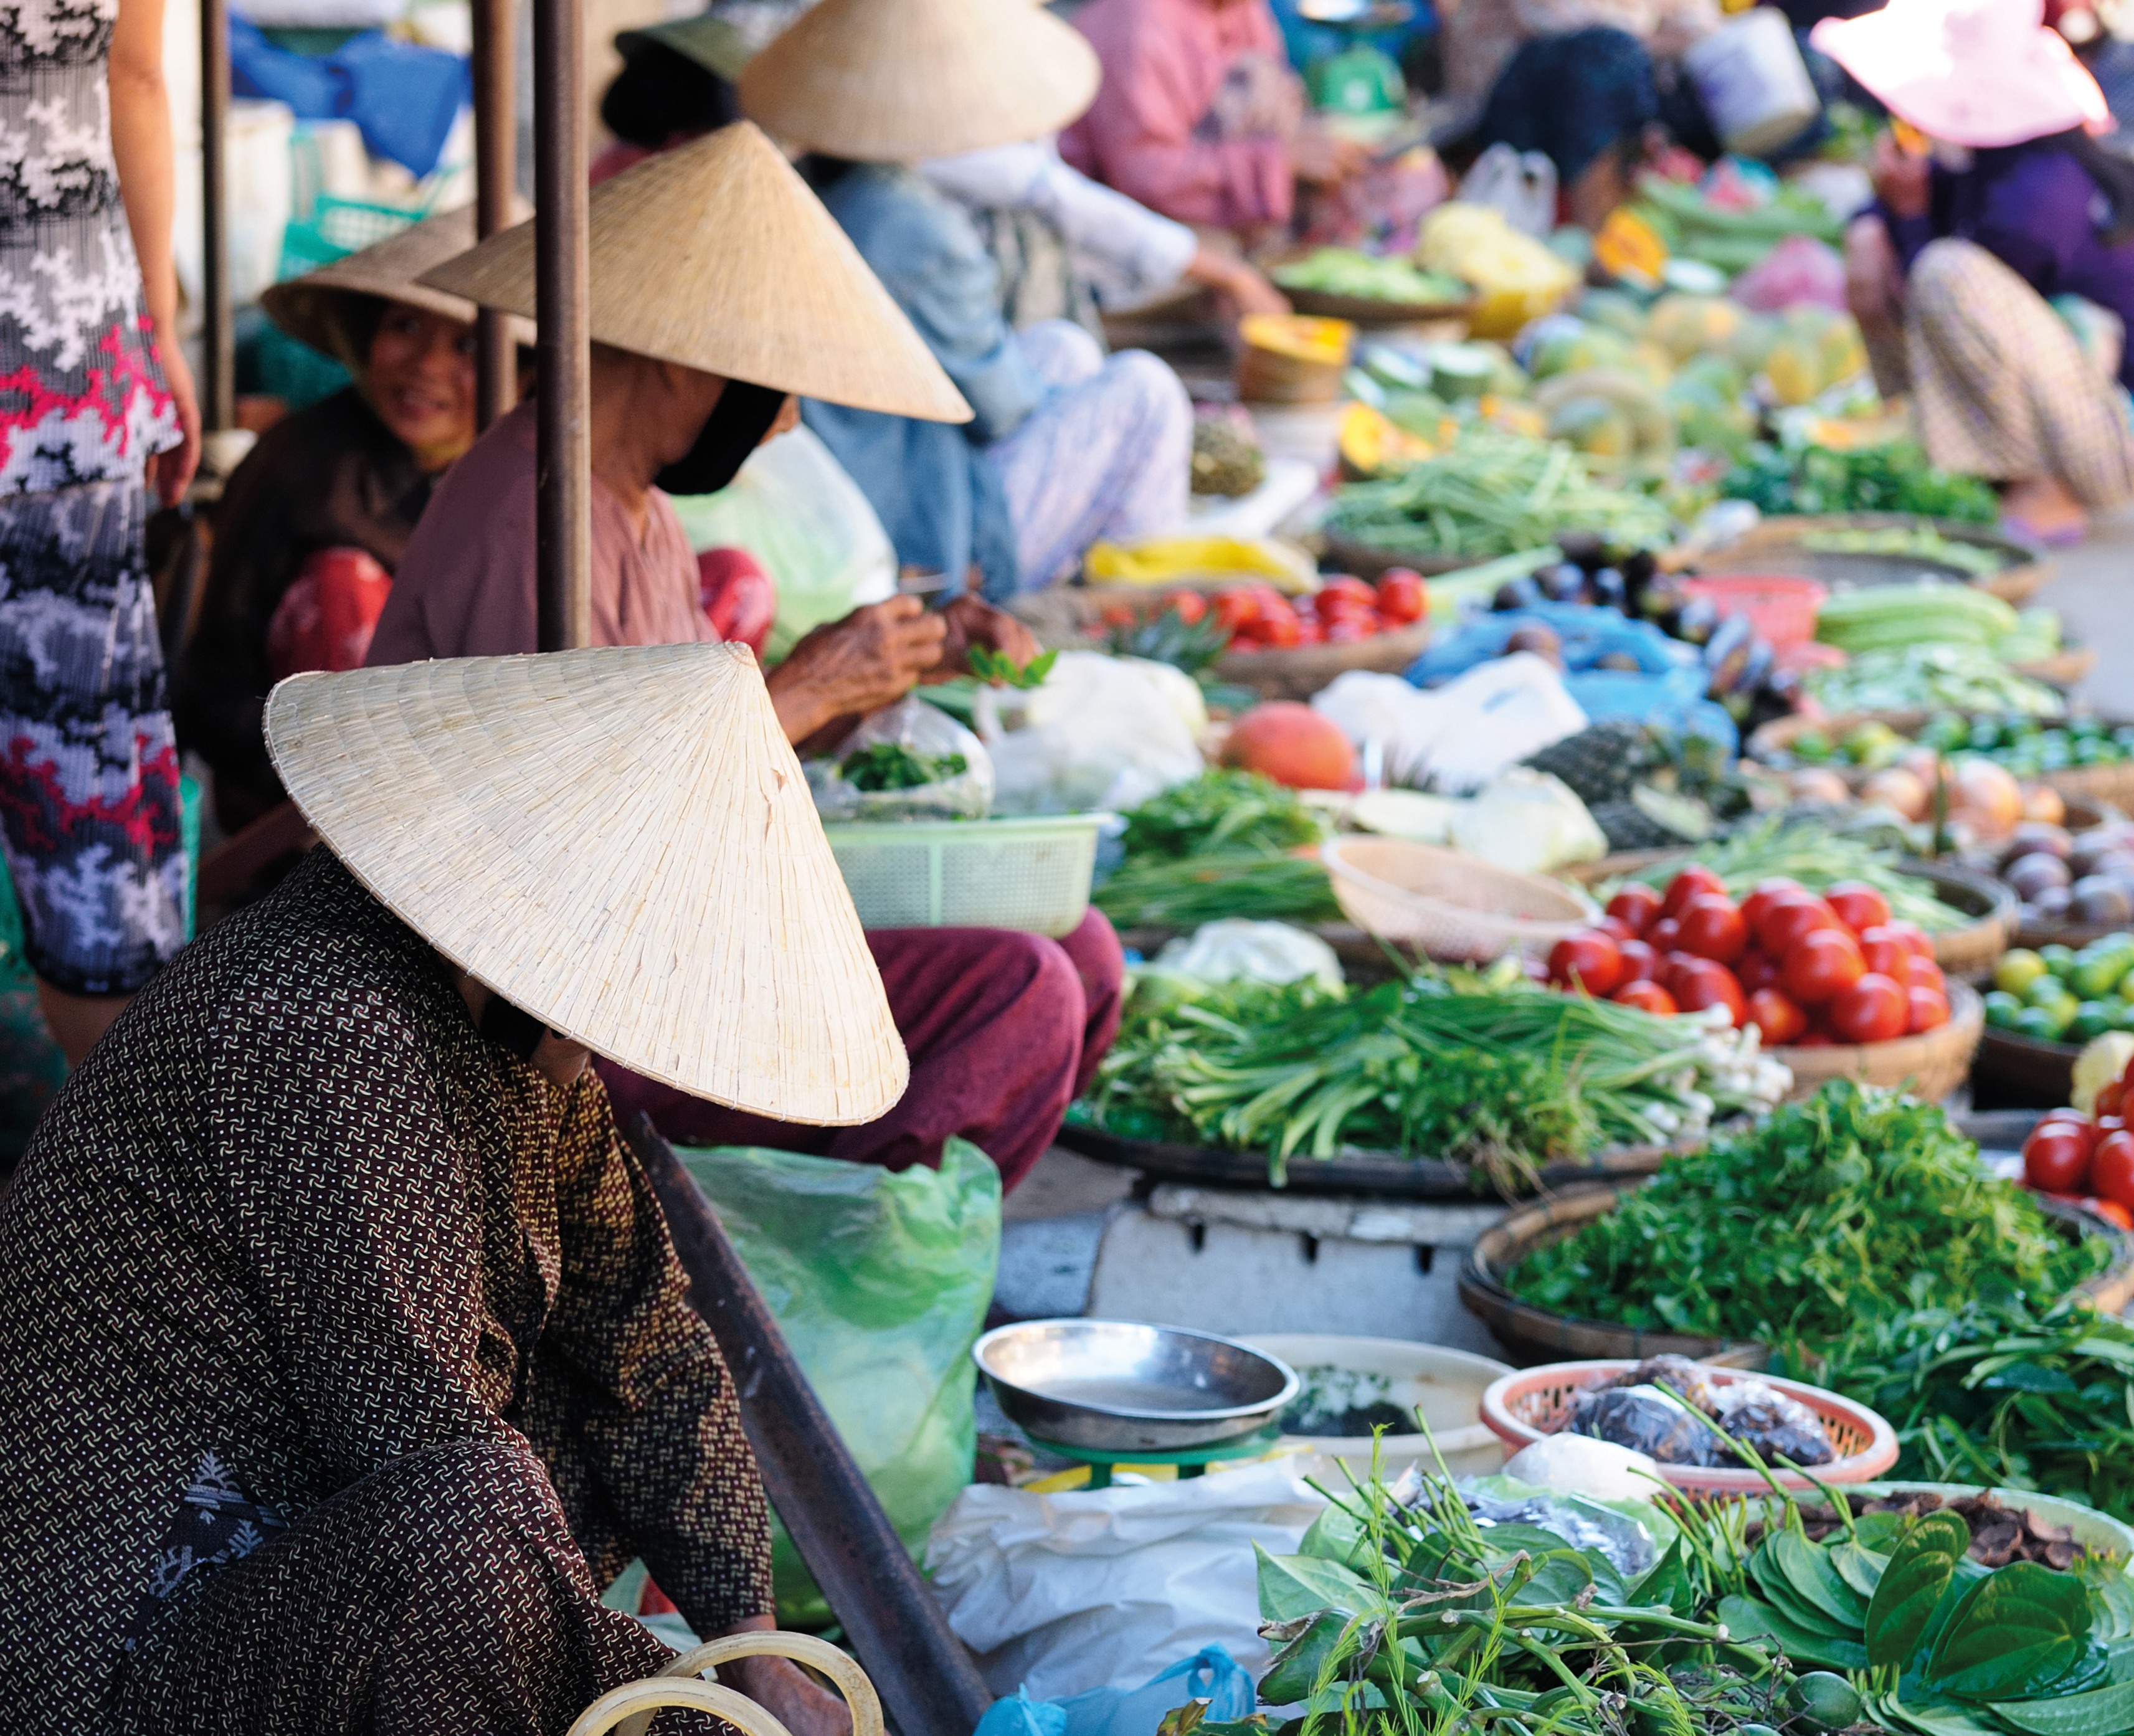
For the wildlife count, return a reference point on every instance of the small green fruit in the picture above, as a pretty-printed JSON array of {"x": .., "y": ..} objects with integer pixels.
[{"x": 1822, "y": 1702}]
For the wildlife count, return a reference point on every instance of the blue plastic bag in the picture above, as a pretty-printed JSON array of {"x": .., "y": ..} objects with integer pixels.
[
  {"x": 1211, "y": 1674},
  {"x": 402, "y": 97}
]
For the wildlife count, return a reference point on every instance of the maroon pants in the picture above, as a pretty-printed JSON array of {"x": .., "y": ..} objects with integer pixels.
[{"x": 1002, "y": 1028}]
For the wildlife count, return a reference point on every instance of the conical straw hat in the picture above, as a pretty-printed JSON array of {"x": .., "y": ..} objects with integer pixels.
[
  {"x": 306, "y": 307},
  {"x": 900, "y": 80},
  {"x": 619, "y": 842},
  {"x": 716, "y": 255}
]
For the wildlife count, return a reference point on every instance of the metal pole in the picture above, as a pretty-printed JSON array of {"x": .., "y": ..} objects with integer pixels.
[
  {"x": 564, "y": 565},
  {"x": 218, "y": 341},
  {"x": 496, "y": 171},
  {"x": 928, "y": 1684}
]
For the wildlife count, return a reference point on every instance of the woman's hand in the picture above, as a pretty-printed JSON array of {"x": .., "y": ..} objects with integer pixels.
[
  {"x": 783, "y": 1688},
  {"x": 970, "y": 620},
  {"x": 872, "y": 657},
  {"x": 1874, "y": 278},
  {"x": 169, "y": 472},
  {"x": 1903, "y": 179},
  {"x": 1239, "y": 289}
]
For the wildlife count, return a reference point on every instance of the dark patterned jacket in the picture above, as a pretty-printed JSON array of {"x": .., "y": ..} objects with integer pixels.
[{"x": 296, "y": 1214}]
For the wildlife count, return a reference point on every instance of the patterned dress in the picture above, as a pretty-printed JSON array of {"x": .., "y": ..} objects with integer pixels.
[
  {"x": 88, "y": 770},
  {"x": 343, "y": 1358}
]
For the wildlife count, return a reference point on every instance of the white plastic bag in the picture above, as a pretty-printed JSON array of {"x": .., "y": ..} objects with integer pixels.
[
  {"x": 920, "y": 730},
  {"x": 1523, "y": 187},
  {"x": 1103, "y": 1587},
  {"x": 1235, "y": 948},
  {"x": 1463, "y": 734},
  {"x": 1529, "y": 822},
  {"x": 806, "y": 522},
  {"x": 1102, "y": 732}
]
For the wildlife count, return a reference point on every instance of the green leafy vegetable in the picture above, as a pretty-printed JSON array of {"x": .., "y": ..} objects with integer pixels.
[
  {"x": 1163, "y": 892},
  {"x": 1886, "y": 479},
  {"x": 1003, "y": 671},
  {"x": 2015, "y": 1634},
  {"x": 1919, "y": 1570},
  {"x": 2100, "y": 1712},
  {"x": 1221, "y": 810},
  {"x": 884, "y": 765}
]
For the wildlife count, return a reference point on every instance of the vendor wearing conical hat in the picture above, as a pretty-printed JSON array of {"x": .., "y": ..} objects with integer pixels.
[
  {"x": 2000, "y": 199},
  {"x": 719, "y": 284},
  {"x": 311, "y": 526},
  {"x": 1067, "y": 445},
  {"x": 345, "y": 1357}
]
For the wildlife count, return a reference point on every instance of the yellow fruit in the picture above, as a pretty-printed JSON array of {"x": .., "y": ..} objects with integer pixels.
[
  {"x": 1794, "y": 369},
  {"x": 1688, "y": 325}
]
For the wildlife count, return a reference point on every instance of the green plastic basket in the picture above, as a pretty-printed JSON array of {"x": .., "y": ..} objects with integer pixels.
[
  {"x": 337, "y": 227},
  {"x": 1031, "y": 874}
]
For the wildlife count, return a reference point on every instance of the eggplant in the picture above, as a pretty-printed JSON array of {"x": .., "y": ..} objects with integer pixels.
[
  {"x": 1522, "y": 593},
  {"x": 1726, "y": 653},
  {"x": 1610, "y": 590},
  {"x": 1695, "y": 621},
  {"x": 1584, "y": 547},
  {"x": 1563, "y": 583}
]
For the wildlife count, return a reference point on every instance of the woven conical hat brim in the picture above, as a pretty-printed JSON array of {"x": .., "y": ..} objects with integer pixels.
[
  {"x": 900, "y": 80},
  {"x": 717, "y": 256},
  {"x": 304, "y": 307},
  {"x": 619, "y": 841}
]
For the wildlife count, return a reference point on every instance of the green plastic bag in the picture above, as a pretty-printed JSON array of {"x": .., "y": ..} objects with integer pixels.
[{"x": 879, "y": 1281}]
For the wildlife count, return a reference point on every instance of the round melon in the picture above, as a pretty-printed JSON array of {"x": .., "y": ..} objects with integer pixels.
[{"x": 1293, "y": 744}]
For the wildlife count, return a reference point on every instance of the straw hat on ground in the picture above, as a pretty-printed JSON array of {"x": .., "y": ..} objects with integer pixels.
[
  {"x": 313, "y": 307},
  {"x": 1979, "y": 73},
  {"x": 618, "y": 842},
  {"x": 716, "y": 256},
  {"x": 901, "y": 80}
]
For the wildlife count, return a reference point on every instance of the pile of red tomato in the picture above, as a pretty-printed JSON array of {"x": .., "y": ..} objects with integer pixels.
[
  {"x": 2087, "y": 1157},
  {"x": 1805, "y": 971},
  {"x": 1341, "y": 611}
]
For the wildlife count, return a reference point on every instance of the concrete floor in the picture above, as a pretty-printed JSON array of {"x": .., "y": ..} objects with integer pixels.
[{"x": 2092, "y": 587}]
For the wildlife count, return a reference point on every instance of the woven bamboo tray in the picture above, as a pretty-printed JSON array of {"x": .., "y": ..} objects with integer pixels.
[
  {"x": 1453, "y": 317},
  {"x": 1531, "y": 1334},
  {"x": 1367, "y": 561},
  {"x": 1451, "y": 906},
  {"x": 1929, "y": 1066},
  {"x": 1774, "y": 547},
  {"x": 1771, "y": 745},
  {"x": 1382, "y": 1174}
]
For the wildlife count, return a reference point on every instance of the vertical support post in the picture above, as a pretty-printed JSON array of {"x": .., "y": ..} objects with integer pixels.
[
  {"x": 564, "y": 570},
  {"x": 495, "y": 175},
  {"x": 217, "y": 327}
]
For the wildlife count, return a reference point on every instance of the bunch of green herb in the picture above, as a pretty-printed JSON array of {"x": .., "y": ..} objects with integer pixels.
[
  {"x": 1857, "y": 1205},
  {"x": 1003, "y": 671},
  {"x": 2001, "y": 1393},
  {"x": 1886, "y": 478},
  {"x": 884, "y": 765},
  {"x": 1183, "y": 892},
  {"x": 1221, "y": 810}
]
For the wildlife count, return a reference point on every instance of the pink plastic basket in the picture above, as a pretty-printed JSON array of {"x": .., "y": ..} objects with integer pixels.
[
  {"x": 1781, "y": 609},
  {"x": 1524, "y": 1407}
]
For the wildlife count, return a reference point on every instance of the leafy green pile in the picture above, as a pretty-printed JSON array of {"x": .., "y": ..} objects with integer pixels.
[
  {"x": 1858, "y": 1205},
  {"x": 884, "y": 765},
  {"x": 1888, "y": 479},
  {"x": 1218, "y": 846},
  {"x": 1490, "y": 1070},
  {"x": 1999, "y": 1393},
  {"x": 1221, "y": 810}
]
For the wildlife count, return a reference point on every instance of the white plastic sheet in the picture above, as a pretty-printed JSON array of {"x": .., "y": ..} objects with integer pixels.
[
  {"x": 1460, "y": 735},
  {"x": 1102, "y": 732}
]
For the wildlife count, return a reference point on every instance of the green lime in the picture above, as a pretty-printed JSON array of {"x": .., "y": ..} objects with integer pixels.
[
  {"x": 2048, "y": 991},
  {"x": 2092, "y": 1019},
  {"x": 2088, "y": 751},
  {"x": 2095, "y": 977},
  {"x": 2060, "y": 960},
  {"x": 2018, "y": 969},
  {"x": 1985, "y": 735},
  {"x": 2122, "y": 1015},
  {"x": 2002, "y": 1009},
  {"x": 2038, "y": 1022}
]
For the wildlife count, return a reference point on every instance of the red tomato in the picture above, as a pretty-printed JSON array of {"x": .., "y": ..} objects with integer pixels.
[
  {"x": 1237, "y": 608},
  {"x": 1640, "y": 963},
  {"x": 1814, "y": 1037},
  {"x": 1778, "y": 1018},
  {"x": 1859, "y": 906},
  {"x": 1913, "y": 936},
  {"x": 1757, "y": 970},
  {"x": 1345, "y": 588},
  {"x": 1647, "y": 996},
  {"x": 1712, "y": 928},
  {"x": 1638, "y": 905},
  {"x": 1589, "y": 958},
  {"x": 1923, "y": 973},
  {"x": 1616, "y": 926},
  {"x": 1767, "y": 893},
  {"x": 1665, "y": 934},
  {"x": 1280, "y": 630},
  {"x": 2110, "y": 1099},
  {"x": 1925, "y": 1008},
  {"x": 1190, "y": 606},
  {"x": 1872, "y": 1009},
  {"x": 1686, "y": 885},
  {"x": 1787, "y": 917},
  {"x": 1886, "y": 950},
  {"x": 1350, "y": 629},
  {"x": 1672, "y": 965},
  {"x": 1703, "y": 982},
  {"x": 2101, "y": 1125},
  {"x": 1823, "y": 963},
  {"x": 1403, "y": 596},
  {"x": 1310, "y": 633},
  {"x": 2112, "y": 1168}
]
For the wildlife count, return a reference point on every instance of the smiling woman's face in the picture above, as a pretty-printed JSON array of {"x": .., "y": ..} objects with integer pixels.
[{"x": 421, "y": 381}]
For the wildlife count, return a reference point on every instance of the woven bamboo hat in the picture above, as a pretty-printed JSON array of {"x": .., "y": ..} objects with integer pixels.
[
  {"x": 311, "y": 307},
  {"x": 715, "y": 255},
  {"x": 618, "y": 842},
  {"x": 900, "y": 80}
]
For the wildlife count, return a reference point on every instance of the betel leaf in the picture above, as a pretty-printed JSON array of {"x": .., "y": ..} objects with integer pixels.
[
  {"x": 1338, "y": 1535},
  {"x": 2102, "y": 1712},
  {"x": 2111, "y": 1601},
  {"x": 1809, "y": 1570},
  {"x": 1666, "y": 1581},
  {"x": 1770, "y": 1581},
  {"x": 1298, "y": 1585},
  {"x": 1881, "y": 1532},
  {"x": 1295, "y": 1670},
  {"x": 1558, "y": 1577},
  {"x": 1860, "y": 1568},
  {"x": 1748, "y": 1619},
  {"x": 2016, "y": 1633},
  {"x": 1921, "y": 1568},
  {"x": 1928, "y": 1717}
]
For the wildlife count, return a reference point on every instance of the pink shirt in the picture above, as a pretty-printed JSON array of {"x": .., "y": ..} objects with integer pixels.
[
  {"x": 464, "y": 588},
  {"x": 1150, "y": 134}
]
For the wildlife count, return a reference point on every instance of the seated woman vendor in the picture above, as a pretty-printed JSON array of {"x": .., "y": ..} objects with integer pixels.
[
  {"x": 702, "y": 331},
  {"x": 345, "y": 1357},
  {"x": 313, "y": 524},
  {"x": 2010, "y": 202},
  {"x": 1066, "y": 446}
]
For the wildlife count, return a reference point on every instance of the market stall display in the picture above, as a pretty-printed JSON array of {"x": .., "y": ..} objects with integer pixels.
[
  {"x": 1873, "y": 518},
  {"x": 1346, "y": 283}
]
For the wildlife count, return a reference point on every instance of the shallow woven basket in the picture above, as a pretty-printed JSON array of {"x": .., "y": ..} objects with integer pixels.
[
  {"x": 1452, "y": 906},
  {"x": 1773, "y": 742},
  {"x": 1929, "y": 1066},
  {"x": 1299, "y": 671},
  {"x": 1523, "y": 1408},
  {"x": 1773, "y": 546}
]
